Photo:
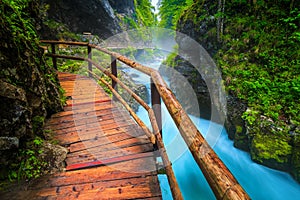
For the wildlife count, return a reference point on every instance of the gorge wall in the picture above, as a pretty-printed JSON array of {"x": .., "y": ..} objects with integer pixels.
[
  {"x": 29, "y": 91},
  {"x": 271, "y": 141},
  {"x": 98, "y": 17}
]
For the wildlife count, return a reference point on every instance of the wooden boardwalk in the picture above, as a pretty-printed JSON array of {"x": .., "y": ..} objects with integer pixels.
[{"x": 109, "y": 155}]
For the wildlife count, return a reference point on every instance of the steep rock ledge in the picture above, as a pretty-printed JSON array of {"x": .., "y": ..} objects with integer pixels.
[
  {"x": 29, "y": 89},
  {"x": 78, "y": 16},
  {"x": 265, "y": 146}
]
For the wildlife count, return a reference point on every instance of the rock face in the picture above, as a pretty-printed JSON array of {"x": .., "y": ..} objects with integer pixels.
[
  {"x": 190, "y": 76},
  {"x": 266, "y": 143},
  {"x": 95, "y": 16},
  {"x": 123, "y": 7},
  {"x": 28, "y": 88},
  {"x": 198, "y": 23},
  {"x": 235, "y": 125},
  {"x": 54, "y": 155}
]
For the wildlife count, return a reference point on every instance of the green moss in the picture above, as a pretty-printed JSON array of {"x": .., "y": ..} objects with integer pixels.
[
  {"x": 296, "y": 163},
  {"x": 260, "y": 58},
  {"x": 37, "y": 123},
  {"x": 171, "y": 10},
  {"x": 61, "y": 30},
  {"x": 241, "y": 139},
  {"x": 27, "y": 70},
  {"x": 144, "y": 13},
  {"x": 239, "y": 129},
  {"x": 268, "y": 148}
]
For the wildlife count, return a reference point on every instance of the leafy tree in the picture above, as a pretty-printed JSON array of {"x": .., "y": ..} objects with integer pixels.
[
  {"x": 170, "y": 11},
  {"x": 145, "y": 13}
]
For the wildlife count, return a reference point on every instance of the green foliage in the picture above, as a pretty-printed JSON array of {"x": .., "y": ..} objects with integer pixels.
[
  {"x": 260, "y": 60},
  {"x": 63, "y": 98},
  {"x": 171, "y": 10},
  {"x": 19, "y": 22},
  {"x": 258, "y": 52},
  {"x": 62, "y": 30},
  {"x": 250, "y": 116},
  {"x": 21, "y": 54},
  {"x": 296, "y": 159},
  {"x": 71, "y": 66},
  {"x": 67, "y": 65},
  {"x": 265, "y": 147},
  {"x": 37, "y": 123},
  {"x": 29, "y": 164},
  {"x": 143, "y": 17},
  {"x": 130, "y": 22},
  {"x": 144, "y": 13},
  {"x": 171, "y": 60}
]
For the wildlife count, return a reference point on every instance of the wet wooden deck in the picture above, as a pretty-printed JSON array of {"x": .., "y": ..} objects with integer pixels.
[{"x": 109, "y": 155}]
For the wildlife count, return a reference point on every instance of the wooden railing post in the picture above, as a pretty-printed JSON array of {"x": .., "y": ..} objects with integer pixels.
[
  {"x": 90, "y": 65},
  {"x": 156, "y": 105},
  {"x": 114, "y": 71},
  {"x": 220, "y": 179},
  {"x": 54, "y": 60}
]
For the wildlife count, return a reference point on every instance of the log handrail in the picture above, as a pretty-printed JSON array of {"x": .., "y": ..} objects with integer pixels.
[{"x": 221, "y": 181}]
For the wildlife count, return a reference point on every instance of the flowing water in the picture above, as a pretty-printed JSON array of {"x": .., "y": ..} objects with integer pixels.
[{"x": 259, "y": 182}]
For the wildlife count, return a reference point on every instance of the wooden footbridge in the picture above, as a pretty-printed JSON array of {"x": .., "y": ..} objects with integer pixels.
[{"x": 112, "y": 153}]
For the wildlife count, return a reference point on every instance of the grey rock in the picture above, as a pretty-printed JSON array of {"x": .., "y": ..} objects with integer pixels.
[
  {"x": 54, "y": 155},
  {"x": 8, "y": 143},
  {"x": 94, "y": 16},
  {"x": 28, "y": 87},
  {"x": 124, "y": 6},
  {"x": 10, "y": 91}
]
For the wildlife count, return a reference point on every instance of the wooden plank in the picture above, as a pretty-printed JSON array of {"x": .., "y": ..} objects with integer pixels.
[
  {"x": 131, "y": 188},
  {"x": 96, "y": 106},
  {"x": 102, "y": 114},
  {"x": 113, "y": 136},
  {"x": 105, "y": 143},
  {"x": 86, "y": 101},
  {"x": 89, "y": 127},
  {"x": 89, "y": 122},
  {"x": 93, "y": 154},
  {"x": 109, "y": 156},
  {"x": 108, "y": 161},
  {"x": 122, "y": 170},
  {"x": 85, "y": 109}
]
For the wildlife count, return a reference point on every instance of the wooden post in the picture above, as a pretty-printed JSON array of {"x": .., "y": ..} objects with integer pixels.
[
  {"x": 114, "y": 71},
  {"x": 220, "y": 179},
  {"x": 156, "y": 105},
  {"x": 54, "y": 60},
  {"x": 90, "y": 66}
]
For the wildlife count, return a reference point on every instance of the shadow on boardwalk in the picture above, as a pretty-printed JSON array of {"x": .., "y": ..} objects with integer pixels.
[{"x": 109, "y": 155}]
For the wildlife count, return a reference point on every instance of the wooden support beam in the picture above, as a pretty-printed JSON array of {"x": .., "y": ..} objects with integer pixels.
[
  {"x": 113, "y": 67},
  {"x": 156, "y": 105},
  {"x": 108, "y": 161},
  {"x": 220, "y": 179},
  {"x": 90, "y": 65},
  {"x": 54, "y": 60}
]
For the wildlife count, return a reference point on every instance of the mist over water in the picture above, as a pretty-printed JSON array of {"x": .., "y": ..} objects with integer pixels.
[{"x": 259, "y": 182}]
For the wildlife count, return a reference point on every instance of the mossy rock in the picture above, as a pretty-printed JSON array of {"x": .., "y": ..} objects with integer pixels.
[
  {"x": 295, "y": 171},
  {"x": 271, "y": 150},
  {"x": 295, "y": 162},
  {"x": 241, "y": 140}
]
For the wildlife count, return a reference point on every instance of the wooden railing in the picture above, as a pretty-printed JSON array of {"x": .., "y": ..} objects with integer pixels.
[{"x": 220, "y": 179}]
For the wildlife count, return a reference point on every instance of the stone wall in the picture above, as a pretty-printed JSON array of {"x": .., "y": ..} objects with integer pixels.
[
  {"x": 263, "y": 140},
  {"x": 94, "y": 16},
  {"x": 29, "y": 89}
]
